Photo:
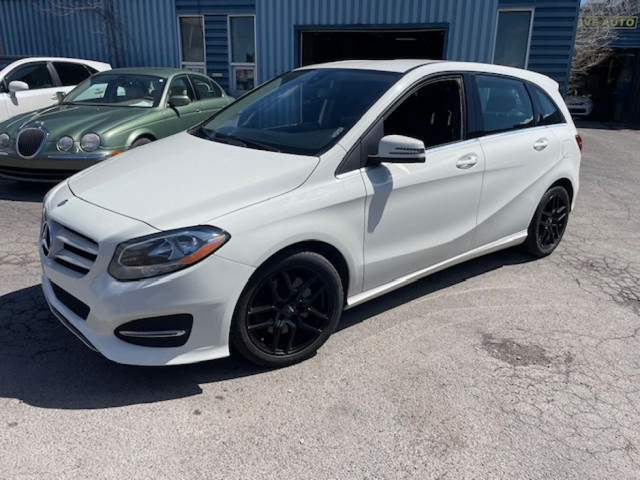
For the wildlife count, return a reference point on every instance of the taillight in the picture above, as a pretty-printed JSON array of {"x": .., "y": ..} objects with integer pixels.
[{"x": 579, "y": 141}]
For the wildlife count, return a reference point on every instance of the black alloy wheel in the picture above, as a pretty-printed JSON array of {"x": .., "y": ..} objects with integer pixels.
[
  {"x": 288, "y": 310},
  {"x": 549, "y": 222}
]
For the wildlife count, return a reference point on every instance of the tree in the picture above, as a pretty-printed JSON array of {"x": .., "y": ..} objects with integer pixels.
[
  {"x": 112, "y": 31},
  {"x": 598, "y": 27}
]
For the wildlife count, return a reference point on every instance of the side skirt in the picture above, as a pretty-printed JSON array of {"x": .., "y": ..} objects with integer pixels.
[{"x": 501, "y": 244}]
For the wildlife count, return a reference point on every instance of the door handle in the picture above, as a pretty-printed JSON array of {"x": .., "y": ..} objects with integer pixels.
[
  {"x": 467, "y": 161},
  {"x": 541, "y": 144}
]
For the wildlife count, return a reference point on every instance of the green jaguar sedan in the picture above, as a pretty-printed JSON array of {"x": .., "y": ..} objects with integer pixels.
[{"x": 105, "y": 115}]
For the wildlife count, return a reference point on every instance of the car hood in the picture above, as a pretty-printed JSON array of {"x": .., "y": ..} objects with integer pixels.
[
  {"x": 75, "y": 120},
  {"x": 185, "y": 180}
]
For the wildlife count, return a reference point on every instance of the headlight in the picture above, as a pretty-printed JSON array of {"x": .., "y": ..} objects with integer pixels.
[
  {"x": 4, "y": 140},
  {"x": 90, "y": 142},
  {"x": 66, "y": 143},
  {"x": 165, "y": 252}
]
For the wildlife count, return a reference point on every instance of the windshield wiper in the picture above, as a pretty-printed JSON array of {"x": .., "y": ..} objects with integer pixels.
[{"x": 240, "y": 142}]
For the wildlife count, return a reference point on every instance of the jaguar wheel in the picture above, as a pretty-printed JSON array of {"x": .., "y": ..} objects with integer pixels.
[
  {"x": 549, "y": 223},
  {"x": 288, "y": 310},
  {"x": 140, "y": 142}
]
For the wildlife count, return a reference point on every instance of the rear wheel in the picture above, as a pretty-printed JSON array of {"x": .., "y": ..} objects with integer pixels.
[
  {"x": 549, "y": 223},
  {"x": 288, "y": 310}
]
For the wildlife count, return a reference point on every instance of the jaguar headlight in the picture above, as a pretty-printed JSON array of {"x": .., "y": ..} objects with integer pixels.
[
  {"x": 90, "y": 142},
  {"x": 4, "y": 140},
  {"x": 165, "y": 252},
  {"x": 65, "y": 143}
]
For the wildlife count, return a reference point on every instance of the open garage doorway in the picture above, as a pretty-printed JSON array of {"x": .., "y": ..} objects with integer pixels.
[{"x": 320, "y": 46}]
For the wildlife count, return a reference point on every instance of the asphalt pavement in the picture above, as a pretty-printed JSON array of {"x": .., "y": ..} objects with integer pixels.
[{"x": 502, "y": 367}]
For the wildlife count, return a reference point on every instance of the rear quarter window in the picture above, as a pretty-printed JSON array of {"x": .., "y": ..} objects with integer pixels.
[{"x": 549, "y": 113}]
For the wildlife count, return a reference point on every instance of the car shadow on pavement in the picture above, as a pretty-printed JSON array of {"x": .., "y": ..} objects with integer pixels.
[
  {"x": 44, "y": 365},
  {"x": 431, "y": 284},
  {"x": 23, "y": 191}
]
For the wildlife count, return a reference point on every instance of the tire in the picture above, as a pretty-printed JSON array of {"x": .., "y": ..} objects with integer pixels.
[
  {"x": 549, "y": 223},
  {"x": 139, "y": 142},
  {"x": 288, "y": 309}
]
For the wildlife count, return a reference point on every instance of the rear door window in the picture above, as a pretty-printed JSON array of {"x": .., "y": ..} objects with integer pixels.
[
  {"x": 71, "y": 74},
  {"x": 505, "y": 104},
  {"x": 205, "y": 88}
]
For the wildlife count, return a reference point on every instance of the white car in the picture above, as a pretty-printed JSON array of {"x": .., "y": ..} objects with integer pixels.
[
  {"x": 30, "y": 83},
  {"x": 579, "y": 105},
  {"x": 324, "y": 188}
]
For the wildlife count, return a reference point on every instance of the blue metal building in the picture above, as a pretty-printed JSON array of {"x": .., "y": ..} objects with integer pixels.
[
  {"x": 121, "y": 32},
  {"x": 245, "y": 42}
]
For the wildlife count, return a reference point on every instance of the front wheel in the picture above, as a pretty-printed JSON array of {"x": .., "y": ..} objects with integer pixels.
[
  {"x": 549, "y": 223},
  {"x": 287, "y": 310},
  {"x": 140, "y": 142}
]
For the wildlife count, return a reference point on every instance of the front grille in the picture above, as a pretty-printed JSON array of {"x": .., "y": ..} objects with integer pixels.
[
  {"x": 37, "y": 174},
  {"x": 30, "y": 141},
  {"x": 72, "y": 303},
  {"x": 69, "y": 248}
]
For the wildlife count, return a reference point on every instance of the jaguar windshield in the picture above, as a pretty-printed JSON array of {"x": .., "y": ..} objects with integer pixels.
[
  {"x": 302, "y": 112},
  {"x": 119, "y": 90}
]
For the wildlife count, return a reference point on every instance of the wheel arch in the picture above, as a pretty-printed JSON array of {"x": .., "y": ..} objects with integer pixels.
[
  {"x": 328, "y": 251},
  {"x": 138, "y": 135},
  {"x": 567, "y": 185}
]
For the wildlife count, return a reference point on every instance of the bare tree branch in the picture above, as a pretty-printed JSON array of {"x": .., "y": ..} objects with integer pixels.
[{"x": 114, "y": 28}]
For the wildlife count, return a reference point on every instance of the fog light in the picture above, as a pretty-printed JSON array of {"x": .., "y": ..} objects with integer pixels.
[{"x": 164, "y": 332}]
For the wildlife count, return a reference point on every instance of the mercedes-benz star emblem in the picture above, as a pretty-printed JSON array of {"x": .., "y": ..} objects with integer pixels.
[{"x": 46, "y": 239}]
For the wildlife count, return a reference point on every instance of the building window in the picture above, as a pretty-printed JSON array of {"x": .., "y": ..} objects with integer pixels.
[
  {"x": 192, "y": 43},
  {"x": 242, "y": 42},
  {"x": 512, "y": 38}
]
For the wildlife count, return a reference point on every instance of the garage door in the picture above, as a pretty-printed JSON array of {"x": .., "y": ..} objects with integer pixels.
[{"x": 328, "y": 46}]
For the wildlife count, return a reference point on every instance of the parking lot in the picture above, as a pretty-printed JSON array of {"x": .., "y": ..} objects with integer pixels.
[{"x": 499, "y": 368}]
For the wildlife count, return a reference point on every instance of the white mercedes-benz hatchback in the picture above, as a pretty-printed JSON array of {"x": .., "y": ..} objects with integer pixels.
[{"x": 325, "y": 187}]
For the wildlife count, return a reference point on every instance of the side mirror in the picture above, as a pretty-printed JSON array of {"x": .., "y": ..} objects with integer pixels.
[
  {"x": 18, "y": 86},
  {"x": 179, "y": 101},
  {"x": 60, "y": 96},
  {"x": 398, "y": 149}
]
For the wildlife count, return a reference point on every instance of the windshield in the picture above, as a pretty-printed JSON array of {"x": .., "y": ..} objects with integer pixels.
[
  {"x": 120, "y": 90},
  {"x": 6, "y": 61},
  {"x": 303, "y": 112}
]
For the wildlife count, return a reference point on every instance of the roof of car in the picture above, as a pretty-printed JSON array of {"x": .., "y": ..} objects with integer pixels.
[
  {"x": 159, "y": 71},
  {"x": 397, "y": 65},
  {"x": 404, "y": 66}
]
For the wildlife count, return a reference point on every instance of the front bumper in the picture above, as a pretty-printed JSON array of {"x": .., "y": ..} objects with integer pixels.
[
  {"x": 580, "y": 110},
  {"x": 48, "y": 167},
  {"x": 208, "y": 291}
]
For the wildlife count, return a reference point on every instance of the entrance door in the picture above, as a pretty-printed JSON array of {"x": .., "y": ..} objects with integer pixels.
[{"x": 329, "y": 46}]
